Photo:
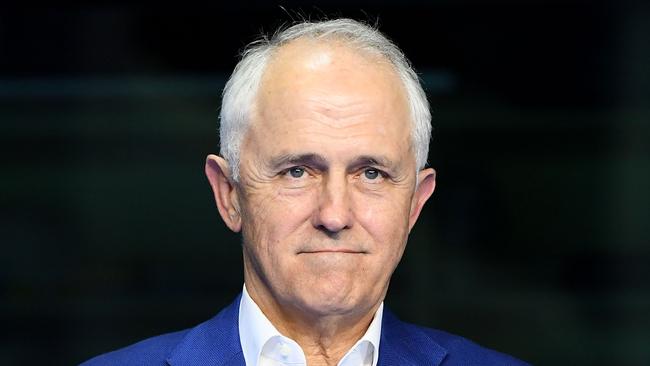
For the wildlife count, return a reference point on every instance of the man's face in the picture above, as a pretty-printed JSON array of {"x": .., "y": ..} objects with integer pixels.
[{"x": 327, "y": 191}]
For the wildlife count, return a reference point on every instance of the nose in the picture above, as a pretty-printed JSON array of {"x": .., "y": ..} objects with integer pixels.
[{"x": 334, "y": 212}]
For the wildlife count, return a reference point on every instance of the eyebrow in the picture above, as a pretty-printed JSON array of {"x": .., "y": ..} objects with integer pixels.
[
  {"x": 319, "y": 162},
  {"x": 380, "y": 161},
  {"x": 313, "y": 160}
]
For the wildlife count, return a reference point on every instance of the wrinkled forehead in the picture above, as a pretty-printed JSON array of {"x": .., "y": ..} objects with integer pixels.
[{"x": 329, "y": 98}]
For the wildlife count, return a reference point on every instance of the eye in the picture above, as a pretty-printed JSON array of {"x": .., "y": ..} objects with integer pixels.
[
  {"x": 296, "y": 172},
  {"x": 371, "y": 174}
]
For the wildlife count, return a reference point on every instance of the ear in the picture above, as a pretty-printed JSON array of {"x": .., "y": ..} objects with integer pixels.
[
  {"x": 426, "y": 185},
  {"x": 225, "y": 192}
]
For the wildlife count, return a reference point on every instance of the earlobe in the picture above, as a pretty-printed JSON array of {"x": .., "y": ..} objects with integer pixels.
[
  {"x": 426, "y": 185},
  {"x": 225, "y": 192}
]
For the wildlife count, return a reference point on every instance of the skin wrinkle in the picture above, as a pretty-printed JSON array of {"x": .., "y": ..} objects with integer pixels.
[
  {"x": 345, "y": 114},
  {"x": 336, "y": 107}
]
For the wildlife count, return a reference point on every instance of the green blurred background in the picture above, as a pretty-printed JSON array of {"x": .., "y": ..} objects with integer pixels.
[{"x": 536, "y": 241}]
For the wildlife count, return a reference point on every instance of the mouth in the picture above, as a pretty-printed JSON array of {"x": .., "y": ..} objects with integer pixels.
[{"x": 332, "y": 251}]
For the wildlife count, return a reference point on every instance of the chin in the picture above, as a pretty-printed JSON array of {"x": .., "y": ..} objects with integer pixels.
[
  {"x": 332, "y": 301},
  {"x": 329, "y": 306}
]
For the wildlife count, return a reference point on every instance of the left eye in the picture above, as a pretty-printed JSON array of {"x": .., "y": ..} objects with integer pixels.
[
  {"x": 297, "y": 172},
  {"x": 371, "y": 173}
]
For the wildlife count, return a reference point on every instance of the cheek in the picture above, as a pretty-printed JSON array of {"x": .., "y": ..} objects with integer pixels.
[
  {"x": 382, "y": 218},
  {"x": 271, "y": 217}
]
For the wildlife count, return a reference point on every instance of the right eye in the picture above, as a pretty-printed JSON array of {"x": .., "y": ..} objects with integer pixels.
[{"x": 296, "y": 172}]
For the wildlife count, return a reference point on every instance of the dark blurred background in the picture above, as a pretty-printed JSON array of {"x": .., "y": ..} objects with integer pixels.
[{"x": 536, "y": 241}]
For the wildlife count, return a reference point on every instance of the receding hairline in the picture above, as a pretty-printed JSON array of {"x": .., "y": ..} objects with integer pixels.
[{"x": 333, "y": 43}]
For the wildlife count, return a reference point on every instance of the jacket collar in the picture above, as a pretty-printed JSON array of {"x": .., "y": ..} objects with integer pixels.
[
  {"x": 406, "y": 344},
  {"x": 216, "y": 342}
]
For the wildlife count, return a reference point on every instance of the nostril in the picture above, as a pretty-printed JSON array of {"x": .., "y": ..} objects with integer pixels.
[
  {"x": 330, "y": 234},
  {"x": 332, "y": 221}
]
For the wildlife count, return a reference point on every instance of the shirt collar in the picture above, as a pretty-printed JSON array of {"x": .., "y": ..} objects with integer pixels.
[
  {"x": 368, "y": 344},
  {"x": 257, "y": 334}
]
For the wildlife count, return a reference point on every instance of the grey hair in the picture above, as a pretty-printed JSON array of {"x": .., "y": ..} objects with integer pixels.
[{"x": 241, "y": 89}]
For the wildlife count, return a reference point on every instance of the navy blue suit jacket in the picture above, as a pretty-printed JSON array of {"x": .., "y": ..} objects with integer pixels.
[{"x": 216, "y": 343}]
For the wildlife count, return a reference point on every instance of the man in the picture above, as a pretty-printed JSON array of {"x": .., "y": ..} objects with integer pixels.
[{"x": 324, "y": 138}]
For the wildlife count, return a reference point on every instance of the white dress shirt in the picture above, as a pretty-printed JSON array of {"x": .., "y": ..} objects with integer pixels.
[{"x": 263, "y": 345}]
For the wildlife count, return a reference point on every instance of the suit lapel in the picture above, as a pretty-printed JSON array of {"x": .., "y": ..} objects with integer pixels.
[
  {"x": 214, "y": 343},
  {"x": 404, "y": 344}
]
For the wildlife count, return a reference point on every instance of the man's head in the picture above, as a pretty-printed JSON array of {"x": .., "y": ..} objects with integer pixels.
[
  {"x": 330, "y": 177},
  {"x": 241, "y": 91}
]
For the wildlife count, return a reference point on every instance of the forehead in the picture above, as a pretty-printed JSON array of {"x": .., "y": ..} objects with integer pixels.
[
  {"x": 333, "y": 82},
  {"x": 324, "y": 61}
]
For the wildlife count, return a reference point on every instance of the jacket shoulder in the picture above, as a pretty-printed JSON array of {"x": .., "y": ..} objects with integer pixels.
[
  {"x": 149, "y": 352},
  {"x": 462, "y": 351},
  {"x": 405, "y": 343},
  {"x": 212, "y": 342}
]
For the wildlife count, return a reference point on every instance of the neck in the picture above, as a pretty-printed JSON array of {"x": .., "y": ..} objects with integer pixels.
[{"x": 324, "y": 338}]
